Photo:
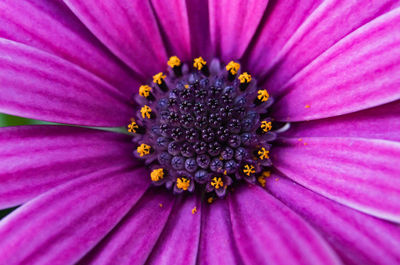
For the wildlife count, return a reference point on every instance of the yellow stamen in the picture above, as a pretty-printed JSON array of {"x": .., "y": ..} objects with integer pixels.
[
  {"x": 248, "y": 170},
  {"x": 233, "y": 67},
  {"x": 183, "y": 183},
  {"x": 133, "y": 126},
  {"x": 217, "y": 183},
  {"x": 157, "y": 174},
  {"x": 199, "y": 63},
  {"x": 194, "y": 210},
  {"x": 263, "y": 154},
  {"x": 174, "y": 61},
  {"x": 210, "y": 199},
  {"x": 245, "y": 78},
  {"x": 144, "y": 91},
  {"x": 158, "y": 78},
  {"x": 263, "y": 95},
  {"x": 143, "y": 149},
  {"x": 146, "y": 111},
  {"x": 266, "y": 126}
]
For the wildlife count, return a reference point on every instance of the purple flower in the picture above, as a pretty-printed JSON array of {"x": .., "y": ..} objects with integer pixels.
[{"x": 329, "y": 194}]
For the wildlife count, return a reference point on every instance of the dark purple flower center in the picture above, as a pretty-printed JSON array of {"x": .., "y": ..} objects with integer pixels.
[{"x": 203, "y": 128}]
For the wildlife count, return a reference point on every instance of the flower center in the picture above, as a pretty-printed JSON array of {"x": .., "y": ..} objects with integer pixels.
[{"x": 203, "y": 127}]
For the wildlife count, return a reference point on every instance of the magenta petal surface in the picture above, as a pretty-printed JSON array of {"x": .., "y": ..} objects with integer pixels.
[
  {"x": 50, "y": 26},
  {"x": 379, "y": 123},
  {"x": 174, "y": 22},
  {"x": 34, "y": 159},
  {"x": 358, "y": 72},
  {"x": 356, "y": 237},
  {"x": 360, "y": 173},
  {"x": 217, "y": 245},
  {"x": 233, "y": 24},
  {"x": 36, "y": 84},
  {"x": 179, "y": 242},
  {"x": 132, "y": 240},
  {"x": 268, "y": 232},
  {"x": 128, "y": 28},
  {"x": 60, "y": 226}
]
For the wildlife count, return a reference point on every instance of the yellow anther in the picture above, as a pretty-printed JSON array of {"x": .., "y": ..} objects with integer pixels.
[
  {"x": 174, "y": 61},
  {"x": 244, "y": 78},
  {"x": 199, "y": 63},
  {"x": 144, "y": 91},
  {"x": 133, "y": 126},
  {"x": 157, "y": 174},
  {"x": 263, "y": 95},
  {"x": 263, "y": 154},
  {"x": 183, "y": 183},
  {"x": 194, "y": 210},
  {"x": 266, "y": 126},
  {"x": 248, "y": 170},
  {"x": 217, "y": 183},
  {"x": 233, "y": 67},
  {"x": 158, "y": 78},
  {"x": 146, "y": 111},
  {"x": 143, "y": 149},
  {"x": 210, "y": 199}
]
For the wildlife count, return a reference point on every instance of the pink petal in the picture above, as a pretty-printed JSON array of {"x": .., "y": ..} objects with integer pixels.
[
  {"x": 179, "y": 242},
  {"x": 60, "y": 226},
  {"x": 128, "y": 28},
  {"x": 360, "y": 173},
  {"x": 267, "y": 232},
  {"x": 170, "y": 14},
  {"x": 50, "y": 26},
  {"x": 233, "y": 24},
  {"x": 356, "y": 237},
  {"x": 133, "y": 238},
  {"x": 358, "y": 72},
  {"x": 217, "y": 244},
  {"x": 379, "y": 123},
  {"x": 34, "y": 159},
  {"x": 36, "y": 84}
]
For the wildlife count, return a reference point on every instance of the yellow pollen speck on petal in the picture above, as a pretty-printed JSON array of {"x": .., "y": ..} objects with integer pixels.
[
  {"x": 159, "y": 78},
  {"x": 199, "y": 63},
  {"x": 161, "y": 205},
  {"x": 174, "y": 61},
  {"x": 157, "y": 174},
  {"x": 194, "y": 210},
  {"x": 144, "y": 91},
  {"x": 248, "y": 170},
  {"x": 146, "y": 111},
  {"x": 233, "y": 67},
  {"x": 183, "y": 183},
  {"x": 266, "y": 174},
  {"x": 210, "y": 200},
  {"x": 143, "y": 149},
  {"x": 307, "y": 106},
  {"x": 262, "y": 181},
  {"x": 133, "y": 126},
  {"x": 186, "y": 86},
  {"x": 263, "y": 153},
  {"x": 217, "y": 183},
  {"x": 263, "y": 95},
  {"x": 244, "y": 78},
  {"x": 266, "y": 126}
]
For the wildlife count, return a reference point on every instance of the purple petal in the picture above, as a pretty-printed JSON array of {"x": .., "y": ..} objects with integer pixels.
[
  {"x": 179, "y": 242},
  {"x": 360, "y": 173},
  {"x": 60, "y": 226},
  {"x": 358, "y": 72},
  {"x": 50, "y": 26},
  {"x": 177, "y": 38},
  {"x": 128, "y": 28},
  {"x": 217, "y": 245},
  {"x": 133, "y": 238},
  {"x": 36, "y": 84},
  {"x": 267, "y": 232},
  {"x": 379, "y": 123},
  {"x": 34, "y": 159},
  {"x": 233, "y": 24},
  {"x": 356, "y": 237}
]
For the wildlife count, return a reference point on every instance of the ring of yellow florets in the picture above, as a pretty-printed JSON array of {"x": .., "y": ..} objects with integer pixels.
[{"x": 204, "y": 128}]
